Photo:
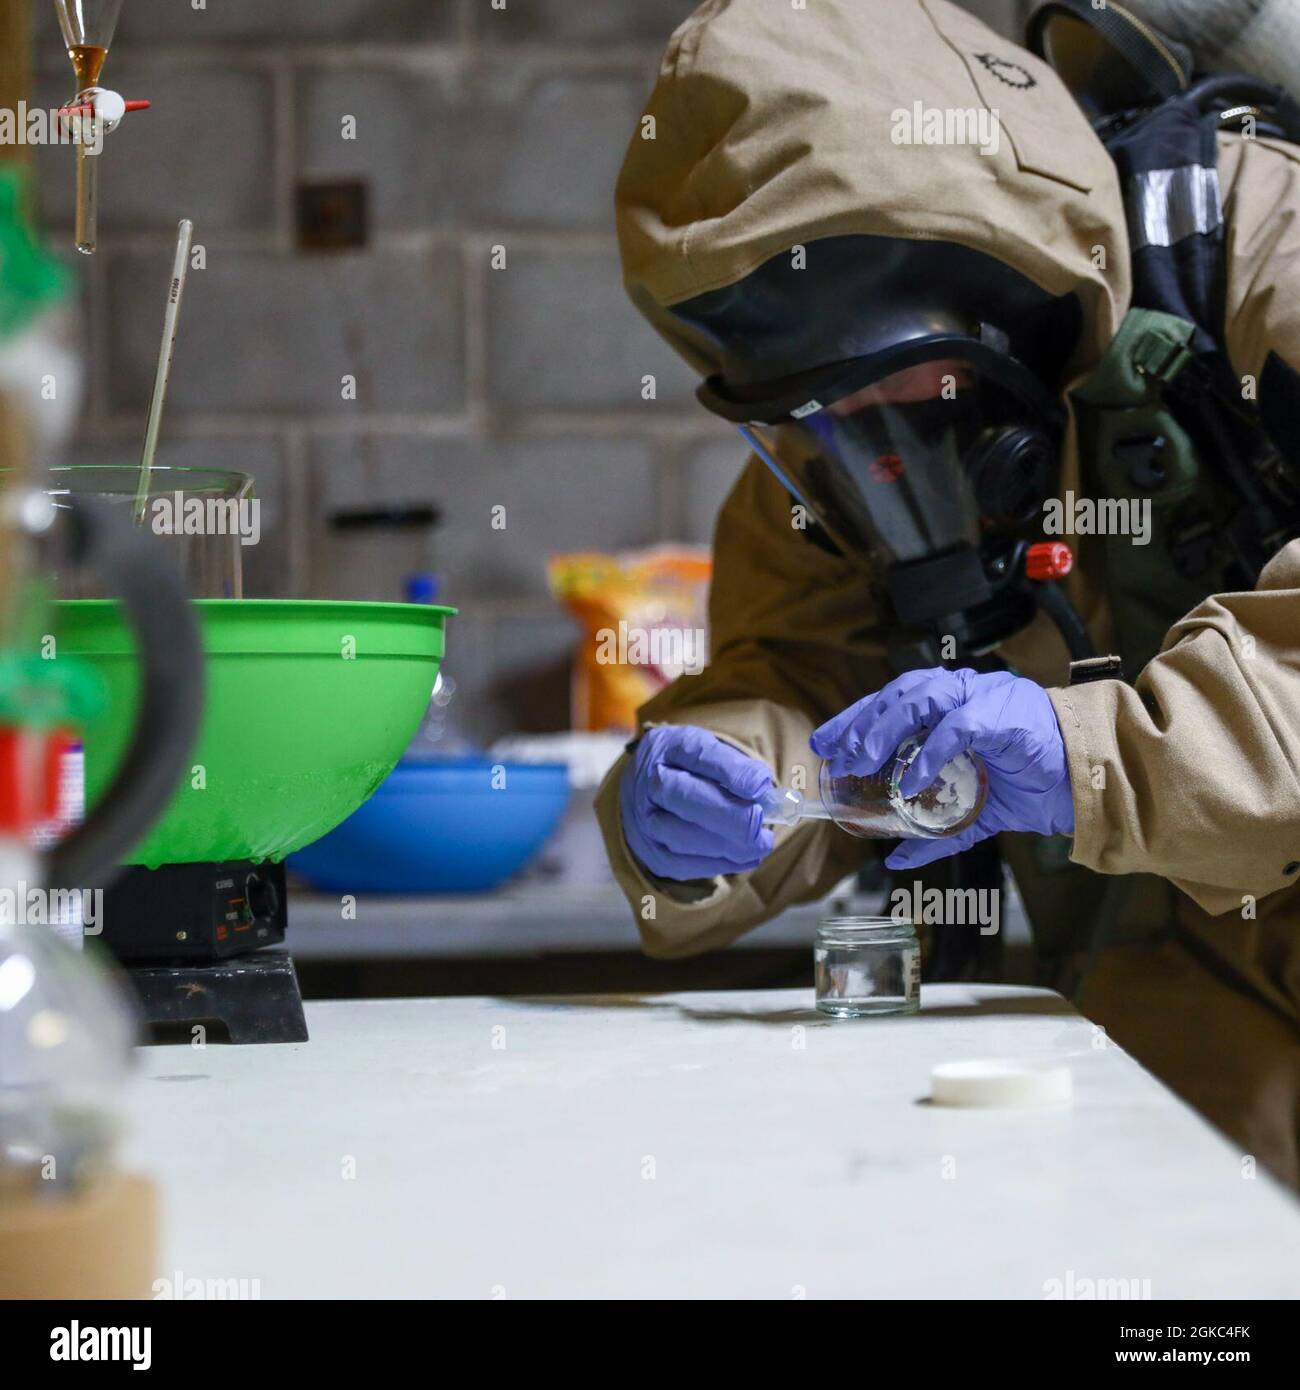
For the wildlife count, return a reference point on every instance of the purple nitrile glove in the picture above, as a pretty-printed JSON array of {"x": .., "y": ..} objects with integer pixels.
[
  {"x": 1007, "y": 720},
  {"x": 689, "y": 805}
]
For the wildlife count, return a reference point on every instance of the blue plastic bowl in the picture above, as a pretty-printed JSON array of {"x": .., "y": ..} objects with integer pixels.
[{"x": 440, "y": 828}]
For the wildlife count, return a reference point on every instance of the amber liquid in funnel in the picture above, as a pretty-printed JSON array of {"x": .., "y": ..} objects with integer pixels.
[
  {"x": 87, "y": 63},
  {"x": 88, "y": 23}
]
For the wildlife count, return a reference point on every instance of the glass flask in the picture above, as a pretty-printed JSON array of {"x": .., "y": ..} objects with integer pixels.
[{"x": 873, "y": 808}]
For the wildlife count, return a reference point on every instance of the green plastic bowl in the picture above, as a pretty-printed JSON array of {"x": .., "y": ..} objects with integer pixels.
[{"x": 308, "y": 707}]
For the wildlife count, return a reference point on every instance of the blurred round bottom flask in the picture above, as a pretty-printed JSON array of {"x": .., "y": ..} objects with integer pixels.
[
  {"x": 865, "y": 966},
  {"x": 66, "y": 1036},
  {"x": 74, "y": 1223}
]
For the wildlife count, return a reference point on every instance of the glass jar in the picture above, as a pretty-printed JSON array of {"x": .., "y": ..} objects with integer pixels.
[
  {"x": 873, "y": 808},
  {"x": 867, "y": 965}
]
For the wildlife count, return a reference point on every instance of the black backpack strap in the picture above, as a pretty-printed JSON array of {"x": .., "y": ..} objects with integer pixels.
[
  {"x": 1234, "y": 97},
  {"x": 1162, "y": 68},
  {"x": 1167, "y": 161}
]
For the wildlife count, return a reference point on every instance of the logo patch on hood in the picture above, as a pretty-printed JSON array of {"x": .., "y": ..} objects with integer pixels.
[{"x": 1012, "y": 74}]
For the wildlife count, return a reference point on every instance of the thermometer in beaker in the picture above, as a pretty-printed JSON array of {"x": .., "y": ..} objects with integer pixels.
[{"x": 171, "y": 321}]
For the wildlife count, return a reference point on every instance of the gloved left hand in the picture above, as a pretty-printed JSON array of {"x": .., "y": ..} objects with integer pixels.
[
  {"x": 689, "y": 805},
  {"x": 1007, "y": 720}
]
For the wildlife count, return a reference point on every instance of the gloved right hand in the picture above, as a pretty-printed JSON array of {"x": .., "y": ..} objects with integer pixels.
[
  {"x": 1008, "y": 720},
  {"x": 689, "y": 805}
]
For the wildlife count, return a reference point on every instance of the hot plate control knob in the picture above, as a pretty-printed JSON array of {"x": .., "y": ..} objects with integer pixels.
[{"x": 261, "y": 896}]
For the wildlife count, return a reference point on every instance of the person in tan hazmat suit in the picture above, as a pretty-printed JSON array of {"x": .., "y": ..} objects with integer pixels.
[{"x": 900, "y": 256}]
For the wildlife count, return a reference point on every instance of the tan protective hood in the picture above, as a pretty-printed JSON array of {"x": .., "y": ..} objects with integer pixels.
[{"x": 771, "y": 126}]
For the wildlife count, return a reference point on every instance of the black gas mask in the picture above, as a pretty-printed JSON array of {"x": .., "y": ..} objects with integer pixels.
[
  {"x": 937, "y": 473},
  {"x": 929, "y": 451}
]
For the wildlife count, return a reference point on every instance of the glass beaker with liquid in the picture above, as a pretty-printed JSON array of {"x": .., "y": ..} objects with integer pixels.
[
  {"x": 873, "y": 807},
  {"x": 202, "y": 518}
]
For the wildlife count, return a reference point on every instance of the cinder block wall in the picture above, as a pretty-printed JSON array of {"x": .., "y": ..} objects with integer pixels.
[{"x": 476, "y": 127}]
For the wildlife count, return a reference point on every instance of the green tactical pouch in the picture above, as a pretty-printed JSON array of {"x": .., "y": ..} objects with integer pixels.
[{"x": 1158, "y": 508}]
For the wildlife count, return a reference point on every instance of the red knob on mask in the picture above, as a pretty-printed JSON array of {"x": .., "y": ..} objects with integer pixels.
[{"x": 1049, "y": 560}]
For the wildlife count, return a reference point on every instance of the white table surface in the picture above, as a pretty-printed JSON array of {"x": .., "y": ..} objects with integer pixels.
[{"x": 694, "y": 1145}]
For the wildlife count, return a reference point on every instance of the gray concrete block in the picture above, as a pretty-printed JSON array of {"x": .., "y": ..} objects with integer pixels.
[
  {"x": 270, "y": 333},
  {"x": 204, "y": 151},
  {"x": 641, "y": 21},
  {"x": 468, "y": 661},
  {"x": 710, "y": 472},
  {"x": 564, "y": 336},
  {"x": 568, "y": 21},
  {"x": 511, "y": 673},
  {"x": 266, "y": 564},
  {"x": 523, "y": 144},
  {"x": 285, "y": 21},
  {"x": 559, "y": 495},
  {"x": 1006, "y": 16},
  {"x": 542, "y": 147},
  {"x": 406, "y": 141},
  {"x": 529, "y": 689}
]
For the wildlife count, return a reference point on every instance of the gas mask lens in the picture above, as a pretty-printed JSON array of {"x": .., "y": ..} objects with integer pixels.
[{"x": 926, "y": 459}]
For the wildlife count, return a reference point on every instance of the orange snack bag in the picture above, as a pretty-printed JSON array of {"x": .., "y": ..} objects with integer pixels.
[{"x": 644, "y": 617}]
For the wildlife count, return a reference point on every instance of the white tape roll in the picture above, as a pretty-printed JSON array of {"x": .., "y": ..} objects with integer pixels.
[{"x": 1001, "y": 1082}]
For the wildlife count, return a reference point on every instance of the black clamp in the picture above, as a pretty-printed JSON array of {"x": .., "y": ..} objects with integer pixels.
[{"x": 1096, "y": 668}]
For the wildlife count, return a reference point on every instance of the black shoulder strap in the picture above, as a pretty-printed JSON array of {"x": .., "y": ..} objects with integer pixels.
[{"x": 1149, "y": 66}]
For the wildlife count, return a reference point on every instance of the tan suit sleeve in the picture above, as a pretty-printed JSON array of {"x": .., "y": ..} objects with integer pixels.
[
  {"x": 1260, "y": 182},
  {"x": 1194, "y": 772},
  {"x": 795, "y": 639}
]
